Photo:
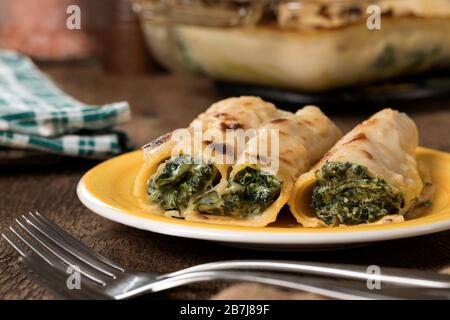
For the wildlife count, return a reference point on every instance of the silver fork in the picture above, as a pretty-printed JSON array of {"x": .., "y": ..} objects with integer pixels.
[{"x": 46, "y": 251}]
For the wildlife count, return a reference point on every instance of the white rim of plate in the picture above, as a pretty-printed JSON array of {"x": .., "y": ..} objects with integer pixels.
[{"x": 250, "y": 237}]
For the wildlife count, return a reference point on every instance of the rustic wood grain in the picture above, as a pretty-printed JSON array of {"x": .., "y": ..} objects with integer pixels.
[{"x": 161, "y": 103}]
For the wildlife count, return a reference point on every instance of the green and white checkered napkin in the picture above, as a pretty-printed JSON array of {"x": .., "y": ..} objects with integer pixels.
[{"x": 35, "y": 114}]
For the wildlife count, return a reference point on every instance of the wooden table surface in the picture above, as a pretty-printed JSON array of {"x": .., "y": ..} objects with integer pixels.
[{"x": 160, "y": 103}]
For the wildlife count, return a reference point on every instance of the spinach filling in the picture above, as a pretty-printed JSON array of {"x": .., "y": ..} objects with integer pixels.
[
  {"x": 179, "y": 180},
  {"x": 348, "y": 194},
  {"x": 249, "y": 193}
]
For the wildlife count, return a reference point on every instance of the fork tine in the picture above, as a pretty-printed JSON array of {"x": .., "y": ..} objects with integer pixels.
[
  {"x": 69, "y": 241},
  {"x": 94, "y": 263},
  {"x": 56, "y": 281},
  {"x": 51, "y": 252},
  {"x": 13, "y": 245},
  {"x": 38, "y": 278},
  {"x": 53, "y": 275},
  {"x": 26, "y": 256},
  {"x": 27, "y": 243}
]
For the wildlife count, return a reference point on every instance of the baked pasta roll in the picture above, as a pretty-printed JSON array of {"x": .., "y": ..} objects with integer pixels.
[
  {"x": 176, "y": 171},
  {"x": 370, "y": 175},
  {"x": 262, "y": 180}
]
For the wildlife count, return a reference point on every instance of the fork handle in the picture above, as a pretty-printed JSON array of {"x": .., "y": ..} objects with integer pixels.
[
  {"x": 401, "y": 277},
  {"x": 280, "y": 280},
  {"x": 330, "y": 288}
]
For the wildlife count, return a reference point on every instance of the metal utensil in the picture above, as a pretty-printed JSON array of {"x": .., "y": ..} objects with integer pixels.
[{"x": 47, "y": 251}]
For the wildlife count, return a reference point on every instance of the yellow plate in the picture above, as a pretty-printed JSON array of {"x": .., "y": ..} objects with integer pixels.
[{"x": 107, "y": 190}]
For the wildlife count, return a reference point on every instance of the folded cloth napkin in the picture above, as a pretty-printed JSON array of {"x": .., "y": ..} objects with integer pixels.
[{"x": 35, "y": 114}]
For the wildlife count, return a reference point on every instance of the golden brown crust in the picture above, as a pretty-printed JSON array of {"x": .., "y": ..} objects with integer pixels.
[
  {"x": 332, "y": 15},
  {"x": 158, "y": 141}
]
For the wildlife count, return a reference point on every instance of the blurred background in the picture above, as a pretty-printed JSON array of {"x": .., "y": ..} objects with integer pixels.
[
  {"x": 108, "y": 29},
  {"x": 294, "y": 52},
  {"x": 166, "y": 61}
]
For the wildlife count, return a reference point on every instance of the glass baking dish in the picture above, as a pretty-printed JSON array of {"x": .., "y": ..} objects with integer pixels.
[{"x": 308, "y": 45}]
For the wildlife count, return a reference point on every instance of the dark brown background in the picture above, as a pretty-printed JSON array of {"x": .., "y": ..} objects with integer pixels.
[{"x": 161, "y": 103}]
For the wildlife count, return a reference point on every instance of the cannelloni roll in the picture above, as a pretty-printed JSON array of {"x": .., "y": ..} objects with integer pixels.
[
  {"x": 370, "y": 176},
  {"x": 261, "y": 181},
  {"x": 177, "y": 171}
]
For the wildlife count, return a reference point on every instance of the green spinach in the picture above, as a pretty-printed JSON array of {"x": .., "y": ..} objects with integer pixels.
[
  {"x": 347, "y": 193},
  {"x": 180, "y": 180},
  {"x": 249, "y": 193}
]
